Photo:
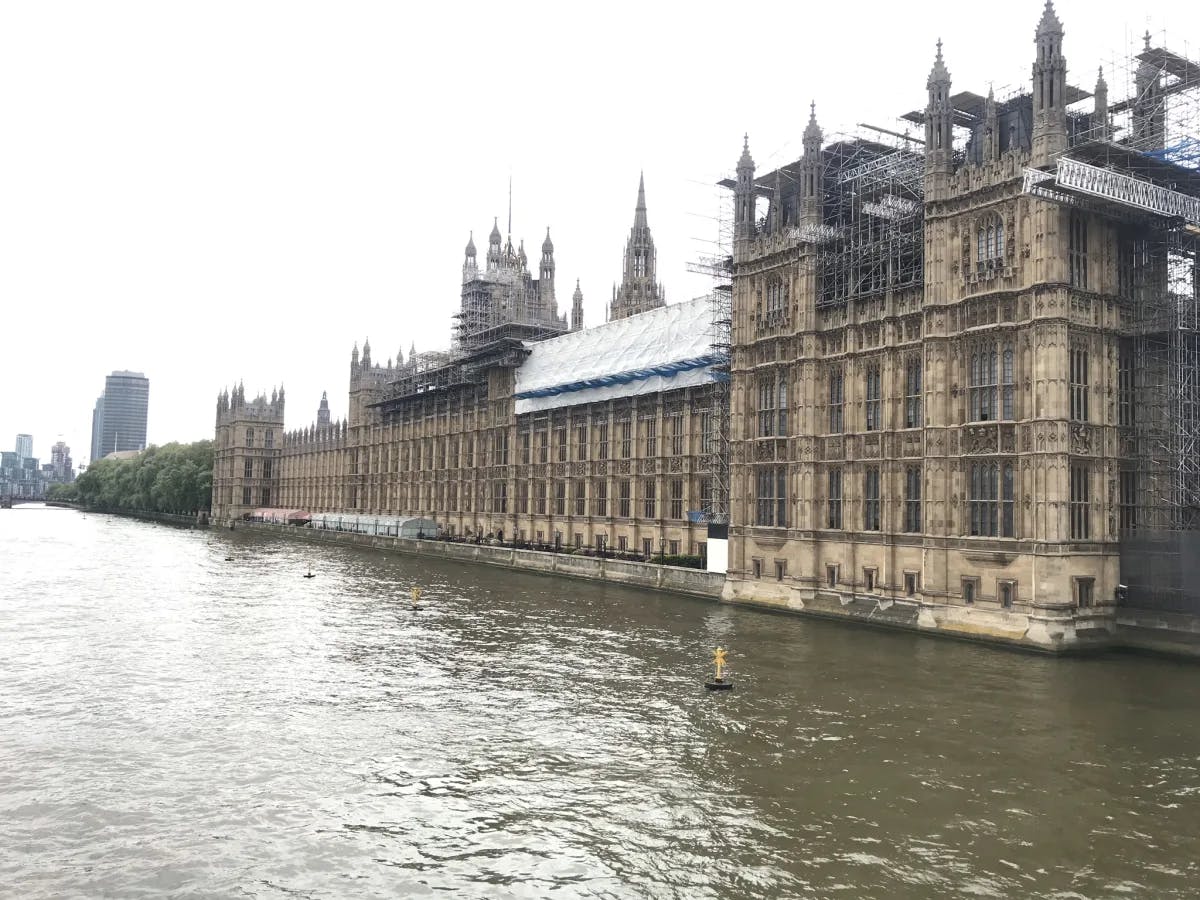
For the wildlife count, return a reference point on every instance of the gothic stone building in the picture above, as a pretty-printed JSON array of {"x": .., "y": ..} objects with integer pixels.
[
  {"x": 931, "y": 373},
  {"x": 529, "y": 430}
]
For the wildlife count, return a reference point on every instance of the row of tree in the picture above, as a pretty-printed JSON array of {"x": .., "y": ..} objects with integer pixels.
[{"x": 174, "y": 478}]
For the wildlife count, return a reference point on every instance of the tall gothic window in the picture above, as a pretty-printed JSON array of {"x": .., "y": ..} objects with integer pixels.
[
  {"x": 772, "y": 405},
  {"x": 771, "y": 505},
  {"x": 249, "y": 437},
  {"x": 990, "y": 392},
  {"x": 872, "y": 405},
  {"x": 912, "y": 393},
  {"x": 836, "y": 399},
  {"x": 1079, "y": 384},
  {"x": 677, "y": 434},
  {"x": 626, "y": 439},
  {"x": 991, "y": 499},
  {"x": 651, "y": 437},
  {"x": 1125, "y": 405},
  {"x": 1077, "y": 251},
  {"x": 912, "y": 499},
  {"x": 1080, "y": 499},
  {"x": 649, "y": 505},
  {"x": 871, "y": 499},
  {"x": 835, "y": 498}
]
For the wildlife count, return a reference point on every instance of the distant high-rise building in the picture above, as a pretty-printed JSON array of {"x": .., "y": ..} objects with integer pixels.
[
  {"x": 24, "y": 446},
  {"x": 60, "y": 462},
  {"x": 97, "y": 427},
  {"x": 119, "y": 419}
]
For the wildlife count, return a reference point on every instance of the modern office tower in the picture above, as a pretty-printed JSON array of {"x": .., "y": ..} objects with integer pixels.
[
  {"x": 24, "y": 446},
  {"x": 119, "y": 418}
]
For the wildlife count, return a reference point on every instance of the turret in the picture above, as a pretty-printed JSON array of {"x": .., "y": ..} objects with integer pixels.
[
  {"x": 743, "y": 193},
  {"x": 939, "y": 128},
  {"x": 1100, "y": 131},
  {"x": 493, "y": 257},
  {"x": 577, "y": 308},
  {"x": 1049, "y": 90},
  {"x": 354, "y": 360},
  {"x": 470, "y": 268},
  {"x": 546, "y": 275},
  {"x": 991, "y": 128},
  {"x": 812, "y": 171},
  {"x": 1149, "y": 113}
]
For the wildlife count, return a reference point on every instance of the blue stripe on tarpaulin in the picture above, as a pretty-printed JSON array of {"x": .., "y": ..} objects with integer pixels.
[{"x": 666, "y": 369}]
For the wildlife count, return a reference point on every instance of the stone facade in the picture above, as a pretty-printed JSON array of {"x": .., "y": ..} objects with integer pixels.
[
  {"x": 439, "y": 434},
  {"x": 924, "y": 411}
]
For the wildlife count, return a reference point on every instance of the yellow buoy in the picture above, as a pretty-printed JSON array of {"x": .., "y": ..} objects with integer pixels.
[{"x": 718, "y": 682}]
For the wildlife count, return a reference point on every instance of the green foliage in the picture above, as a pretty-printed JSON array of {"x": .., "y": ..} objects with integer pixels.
[
  {"x": 174, "y": 478},
  {"x": 61, "y": 491}
]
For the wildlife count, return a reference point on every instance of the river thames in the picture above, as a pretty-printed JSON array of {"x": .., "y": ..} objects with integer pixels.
[{"x": 176, "y": 724}]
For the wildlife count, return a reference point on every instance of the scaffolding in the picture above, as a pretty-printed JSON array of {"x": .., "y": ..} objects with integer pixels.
[
  {"x": 1139, "y": 167},
  {"x": 872, "y": 240},
  {"x": 718, "y": 265}
]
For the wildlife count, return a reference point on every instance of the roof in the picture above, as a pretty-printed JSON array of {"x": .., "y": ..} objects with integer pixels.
[{"x": 663, "y": 349}]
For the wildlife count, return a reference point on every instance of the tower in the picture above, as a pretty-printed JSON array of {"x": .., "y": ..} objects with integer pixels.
[
  {"x": 247, "y": 453},
  {"x": 323, "y": 411},
  {"x": 1049, "y": 90},
  {"x": 991, "y": 129},
  {"x": 577, "y": 308},
  {"x": 638, "y": 291},
  {"x": 939, "y": 130}
]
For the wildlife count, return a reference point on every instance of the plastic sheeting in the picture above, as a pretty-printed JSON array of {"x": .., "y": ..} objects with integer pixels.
[
  {"x": 381, "y": 526},
  {"x": 661, "y": 350}
]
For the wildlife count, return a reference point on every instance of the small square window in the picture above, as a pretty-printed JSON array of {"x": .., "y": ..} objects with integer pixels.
[
  {"x": 910, "y": 584},
  {"x": 869, "y": 579},
  {"x": 1006, "y": 591},
  {"x": 831, "y": 576},
  {"x": 1083, "y": 591},
  {"x": 970, "y": 590}
]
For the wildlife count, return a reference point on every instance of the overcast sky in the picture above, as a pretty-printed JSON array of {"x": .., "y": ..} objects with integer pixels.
[{"x": 215, "y": 191}]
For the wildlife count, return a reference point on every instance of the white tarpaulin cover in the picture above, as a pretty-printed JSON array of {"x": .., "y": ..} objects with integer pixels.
[{"x": 661, "y": 350}]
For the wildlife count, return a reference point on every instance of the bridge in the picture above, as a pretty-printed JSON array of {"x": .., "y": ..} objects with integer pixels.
[{"x": 10, "y": 502}]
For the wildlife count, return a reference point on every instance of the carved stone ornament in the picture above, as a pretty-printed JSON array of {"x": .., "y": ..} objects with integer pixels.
[{"x": 979, "y": 439}]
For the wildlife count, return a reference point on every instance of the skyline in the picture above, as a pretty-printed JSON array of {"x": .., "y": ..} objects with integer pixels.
[{"x": 276, "y": 192}]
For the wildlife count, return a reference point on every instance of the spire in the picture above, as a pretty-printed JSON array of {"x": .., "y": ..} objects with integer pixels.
[
  {"x": 471, "y": 246},
  {"x": 939, "y": 74},
  {"x": 812, "y": 134},
  {"x": 746, "y": 160},
  {"x": 1049, "y": 25},
  {"x": 639, "y": 215},
  {"x": 638, "y": 291},
  {"x": 547, "y": 244},
  {"x": 494, "y": 237},
  {"x": 323, "y": 411}
]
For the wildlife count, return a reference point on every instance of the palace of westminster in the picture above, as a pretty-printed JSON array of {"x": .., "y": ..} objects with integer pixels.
[{"x": 955, "y": 372}]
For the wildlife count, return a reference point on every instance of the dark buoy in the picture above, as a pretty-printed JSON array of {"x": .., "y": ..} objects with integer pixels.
[
  {"x": 229, "y": 559},
  {"x": 718, "y": 682},
  {"x": 310, "y": 575}
]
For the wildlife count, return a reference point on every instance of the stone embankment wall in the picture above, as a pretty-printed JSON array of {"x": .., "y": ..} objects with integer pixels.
[
  {"x": 1160, "y": 633},
  {"x": 649, "y": 575}
]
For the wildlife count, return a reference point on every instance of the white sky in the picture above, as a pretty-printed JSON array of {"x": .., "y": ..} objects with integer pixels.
[{"x": 216, "y": 191}]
